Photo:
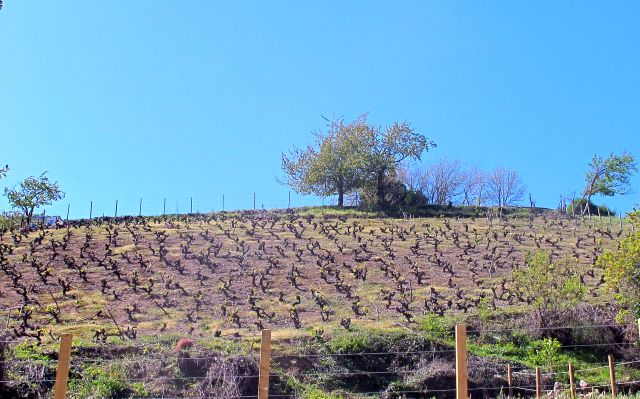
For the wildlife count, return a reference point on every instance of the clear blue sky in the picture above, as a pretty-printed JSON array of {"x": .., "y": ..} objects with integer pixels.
[{"x": 129, "y": 99}]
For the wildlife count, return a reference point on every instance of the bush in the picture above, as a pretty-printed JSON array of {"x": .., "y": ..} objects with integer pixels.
[
  {"x": 622, "y": 271},
  {"x": 8, "y": 220},
  {"x": 100, "y": 382},
  {"x": 551, "y": 288},
  {"x": 397, "y": 195},
  {"x": 544, "y": 352}
]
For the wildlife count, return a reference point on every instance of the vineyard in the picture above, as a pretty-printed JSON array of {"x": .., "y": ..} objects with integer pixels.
[{"x": 329, "y": 285}]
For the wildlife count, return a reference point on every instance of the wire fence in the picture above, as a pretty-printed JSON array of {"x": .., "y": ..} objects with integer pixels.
[
  {"x": 156, "y": 206},
  {"x": 199, "y": 203},
  {"x": 164, "y": 369}
]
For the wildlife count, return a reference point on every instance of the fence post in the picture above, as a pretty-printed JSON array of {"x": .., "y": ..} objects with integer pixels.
[
  {"x": 265, "y": 363},
  {"x": 289, "y": 203},
  {"x": 115, "y": 215},
  {"x": 68, "y": 208},
  {"x": 599, "y": 216},
  {"x": 461, "y": 361},
  {"x": 164, "y": 207},
  {"x": 572, "y": 383},
  {"x": 90, "y": 210},
  {"x": 510, "y": 379},
  {"x": 612, "y": 376},
  {"x": 191, "y": 206},
  {"x": 140, "y": 208},
  {"x": 538, "y": 388},
  {"x": 62, "y": 373}
]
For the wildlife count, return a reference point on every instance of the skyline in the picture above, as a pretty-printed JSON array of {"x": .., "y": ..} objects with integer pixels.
[{"x": 131, "y": 100}]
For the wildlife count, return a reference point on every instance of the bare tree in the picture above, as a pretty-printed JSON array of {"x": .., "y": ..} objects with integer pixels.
[
  {"x": 443, "y": 181},
  {"x": 412, "y": 175},
  {"x": 473, "y": 186},
  {"x": 504, "y": 187}
]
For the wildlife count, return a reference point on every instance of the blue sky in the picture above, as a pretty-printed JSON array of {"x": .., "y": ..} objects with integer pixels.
[{"x": 130, "y": 99}]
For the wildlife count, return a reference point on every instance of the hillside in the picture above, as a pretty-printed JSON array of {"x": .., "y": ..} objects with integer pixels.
[{"x": 227, "y": 274}]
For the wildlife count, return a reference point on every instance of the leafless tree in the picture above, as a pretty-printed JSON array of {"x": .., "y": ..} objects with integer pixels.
[
  {"x": 412, "y": 175},
  {"x": 504, "y": 187},
  {"x": 441, "y": 182},
  {"x": 473, "y": 186},
  {"x": 444, "y": 180}
]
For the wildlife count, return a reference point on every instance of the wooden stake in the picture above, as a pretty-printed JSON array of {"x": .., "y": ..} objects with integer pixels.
[
  {"x": 538, "y": 388},
  {"x": 191, "y": 206},
  {"x": 254, "y": 201},
  {"x": 461, "y": 361},
  {"x": 62, "y": 373},
  {"x": 164, "y": 207},
  {"x": 572, "y": 382},
  {"x": 265, "y": 363},
  {"x": 140, "y": 208},
  {"x": 612, "y": 376},
  {"x": 90, "y": 210},
  {"x": 510, "y": 379},
  {"x": 115, "y": 215}
]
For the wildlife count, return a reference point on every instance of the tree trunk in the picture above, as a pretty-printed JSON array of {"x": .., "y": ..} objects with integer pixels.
[
  {"x": 340, "y": 193},
  {"x": 380, "y": 188},
  {"x": 30, "y": 217}
]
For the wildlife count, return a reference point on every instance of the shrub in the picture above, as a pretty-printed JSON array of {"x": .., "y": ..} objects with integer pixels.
[
  {"x": 551, "y": 288},
  {"x": 100, "y": 382},
  {"x": 544, "y": 352},
  {"x": 622, "y": 271}
]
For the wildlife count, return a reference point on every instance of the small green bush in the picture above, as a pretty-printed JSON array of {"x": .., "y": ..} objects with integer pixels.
[{"x": 98, "y": 382}]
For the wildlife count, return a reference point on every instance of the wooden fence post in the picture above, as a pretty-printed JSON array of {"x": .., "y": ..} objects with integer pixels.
[
  {"x": 510, "y": 379},
  {"x": 62, "y": 373},
  {"x": 461, "y": 361},
  {"x": 612, "y": 376},
  {"x": 265, "y": 363},
  {"x": 538, "y": 388},
  {"x": 572, "y": 382}
]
